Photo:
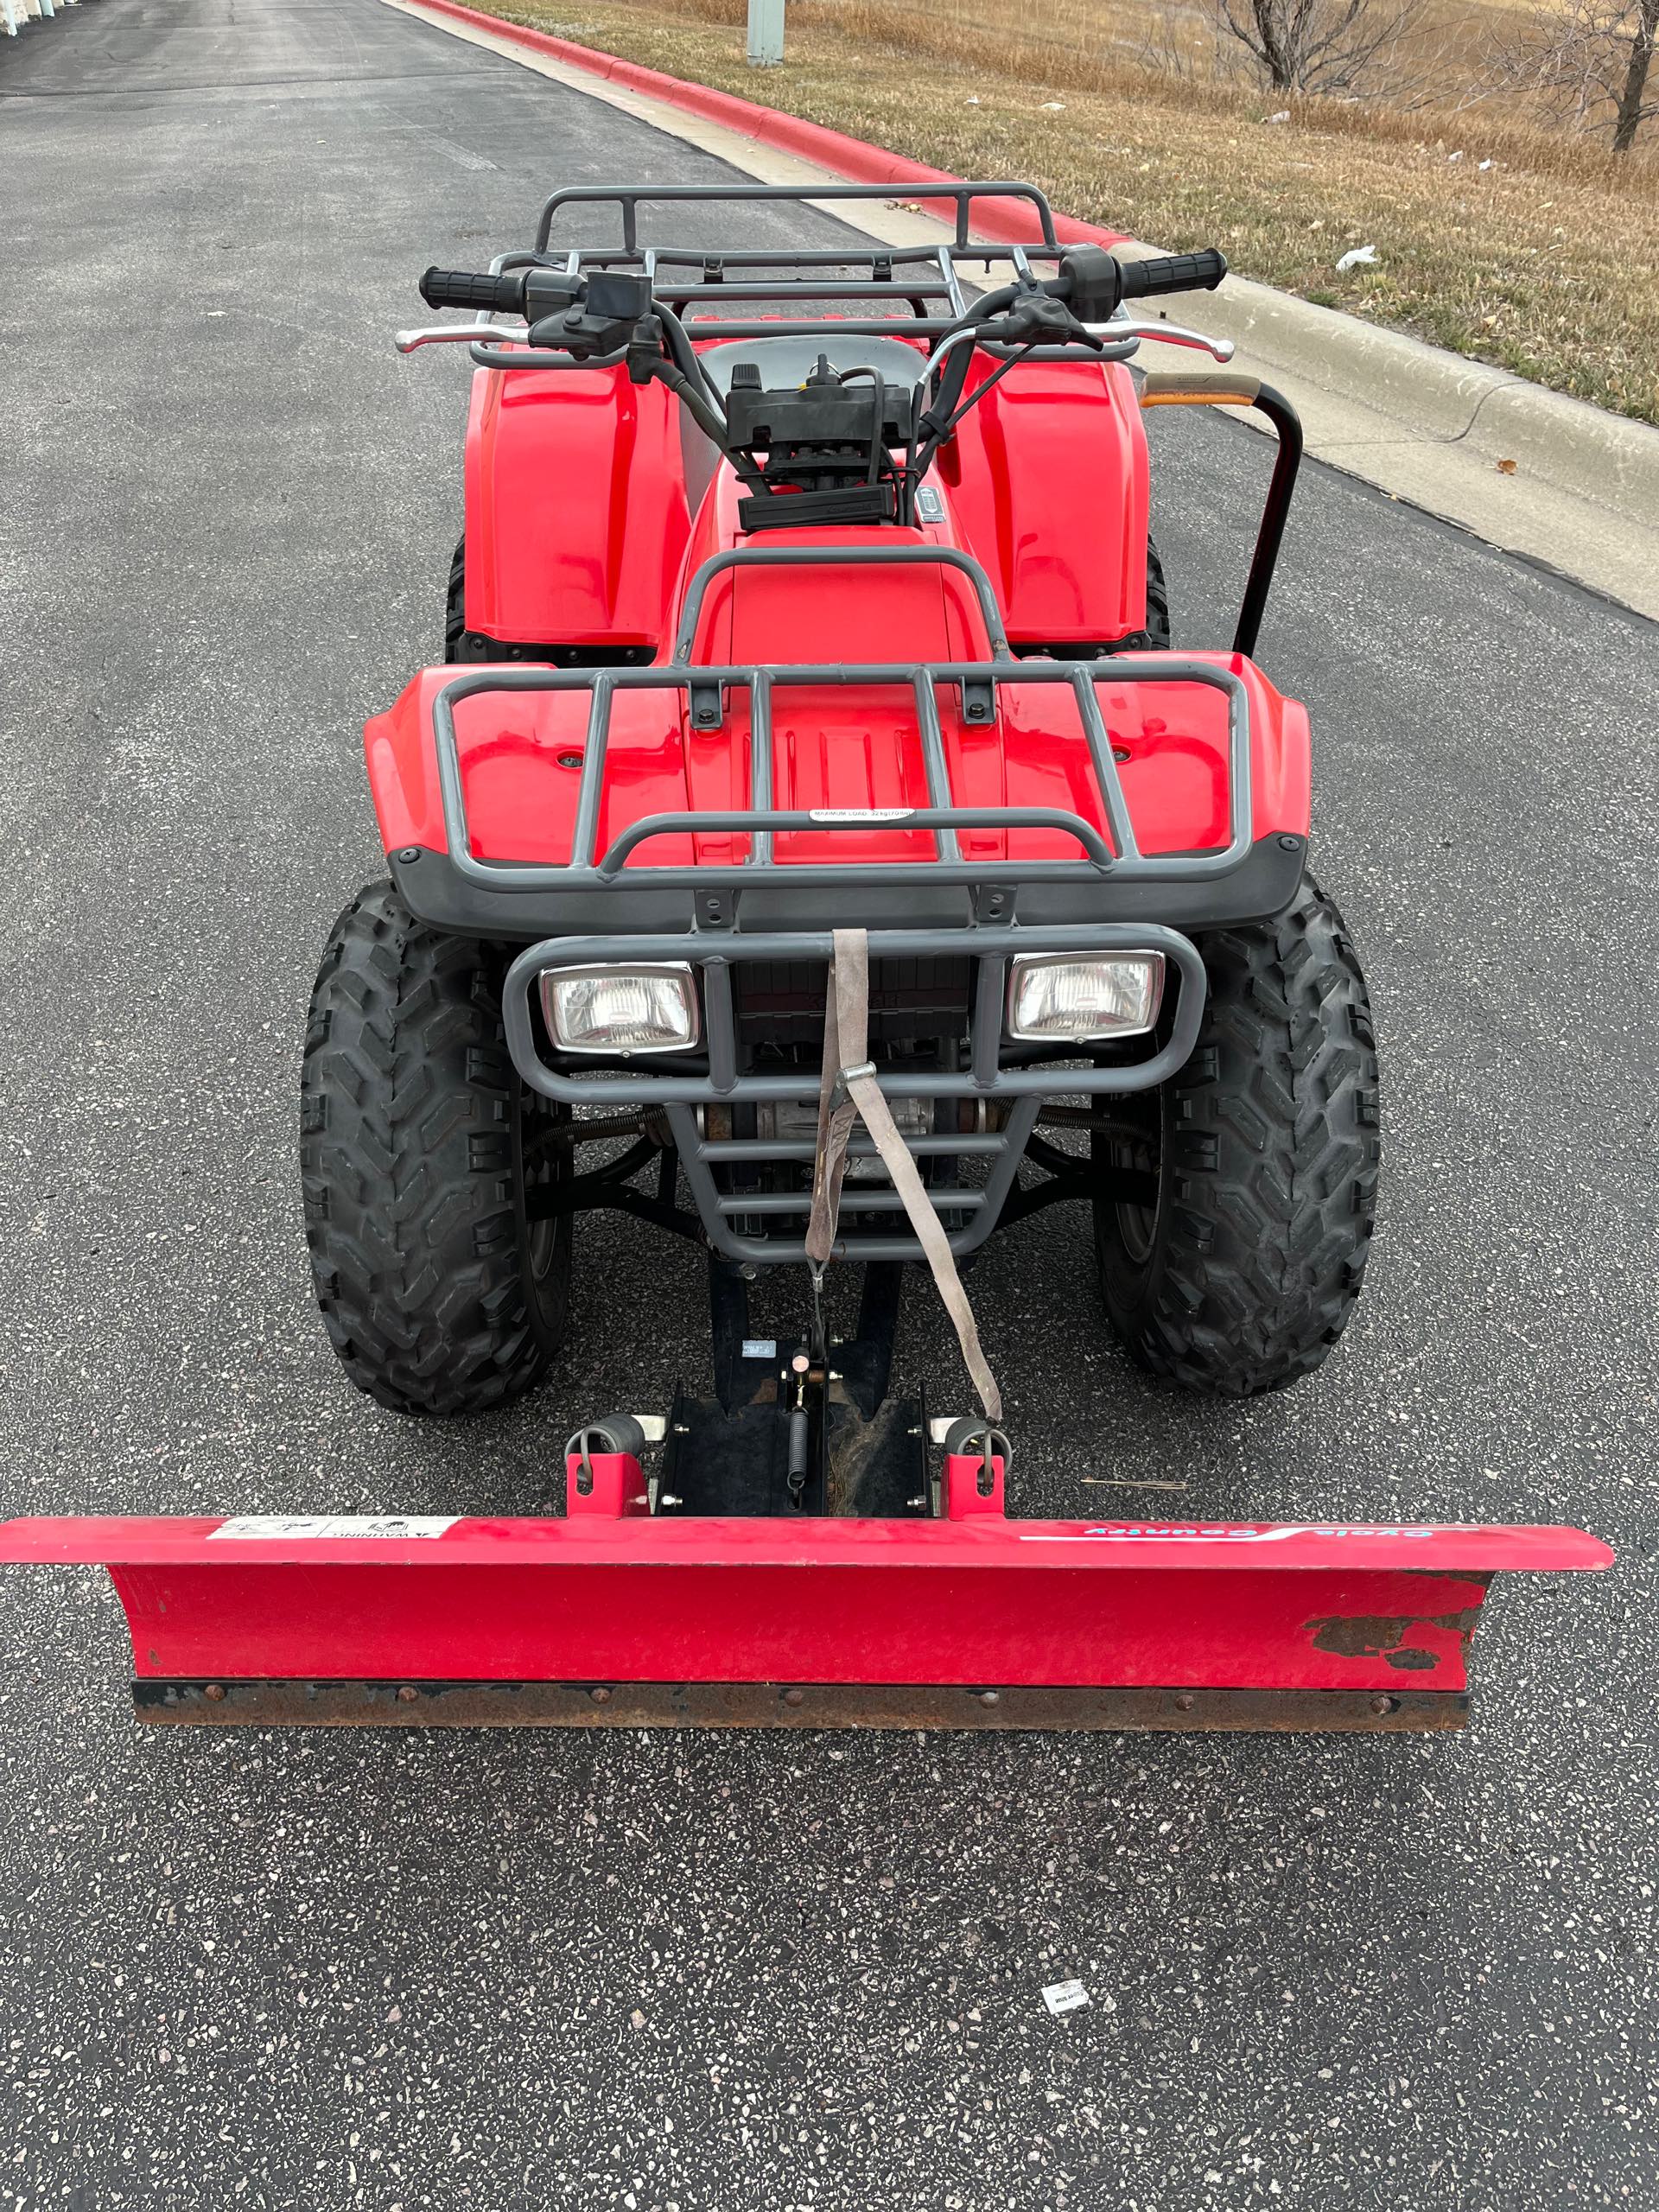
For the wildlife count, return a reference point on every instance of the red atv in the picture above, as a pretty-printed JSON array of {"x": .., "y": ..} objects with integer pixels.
[
  {"x": 812, "y": 810},
  {"x": 793, "y": 624}
]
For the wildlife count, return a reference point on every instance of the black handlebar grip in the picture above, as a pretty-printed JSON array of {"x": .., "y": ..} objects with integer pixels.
[
  {"x": 1174, "y": 272},
  {"x": 461, "y": 288}
]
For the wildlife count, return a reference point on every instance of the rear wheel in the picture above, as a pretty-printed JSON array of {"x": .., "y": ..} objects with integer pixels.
[
  {"x": 421, "y": 1151},
  {"x": 1154, "y": 638},
  {"x": 1157, "y": 630},
  {"x": 459, "y": 643},
  {"x": 1234, "y": 1209}
]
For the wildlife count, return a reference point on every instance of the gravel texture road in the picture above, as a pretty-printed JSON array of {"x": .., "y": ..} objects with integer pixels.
[{"x": 712, "y": 1972}]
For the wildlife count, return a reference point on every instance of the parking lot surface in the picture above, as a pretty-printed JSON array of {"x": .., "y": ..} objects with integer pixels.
[{"x": 728, "y": 1973}]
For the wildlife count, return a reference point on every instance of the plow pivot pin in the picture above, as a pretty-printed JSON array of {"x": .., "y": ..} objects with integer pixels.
[{"x": 215, "y": 1691}]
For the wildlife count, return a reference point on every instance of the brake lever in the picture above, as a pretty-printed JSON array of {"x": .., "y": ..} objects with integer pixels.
[
  {"x": 452, "y": 334},
  {"x": 1164, "y": 334}
]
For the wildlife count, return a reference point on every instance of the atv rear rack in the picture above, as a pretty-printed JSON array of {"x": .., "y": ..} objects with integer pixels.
[{"x": 925, "y": 278}]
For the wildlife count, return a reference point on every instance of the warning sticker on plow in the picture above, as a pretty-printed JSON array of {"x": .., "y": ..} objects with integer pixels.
[{"x": 252, "y": 1528}]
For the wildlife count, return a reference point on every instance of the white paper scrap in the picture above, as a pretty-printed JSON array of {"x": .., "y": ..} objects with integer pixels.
[{"x": 1065, "y": 1996}]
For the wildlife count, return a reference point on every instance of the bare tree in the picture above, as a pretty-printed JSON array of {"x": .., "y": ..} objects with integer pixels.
[
  {"x": 1634, "y": 107},
  {"x": 1318, "y": 45},
  {"x": 1590, "y": 61}
]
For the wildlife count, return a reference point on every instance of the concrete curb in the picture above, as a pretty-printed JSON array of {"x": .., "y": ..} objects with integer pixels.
[
  {"x": 1424, "y": 426},
  {"x": 1608, "y": 459}
]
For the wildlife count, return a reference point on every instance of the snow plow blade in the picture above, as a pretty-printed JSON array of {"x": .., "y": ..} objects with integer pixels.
[{"x": 611, "y": 1617}]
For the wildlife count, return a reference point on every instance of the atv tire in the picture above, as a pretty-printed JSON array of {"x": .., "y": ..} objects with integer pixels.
[
  {"x": 459, "y": 643},
  {"x": 1258, "y": 1164},
  {"x": 1154, "y": 638},
  {"x": 418, "y": 1145}
]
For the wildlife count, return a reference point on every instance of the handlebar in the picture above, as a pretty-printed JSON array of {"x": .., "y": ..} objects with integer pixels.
[
  {"x": 603, "y": 313},
  {"x": 1172, "y": 273},
  {"x": 1092, "y": 282},
  {"x": 462, "y": 288}
]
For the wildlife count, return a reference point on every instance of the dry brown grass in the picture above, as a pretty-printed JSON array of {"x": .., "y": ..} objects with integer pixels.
[{"x": 1546, "y": 262}]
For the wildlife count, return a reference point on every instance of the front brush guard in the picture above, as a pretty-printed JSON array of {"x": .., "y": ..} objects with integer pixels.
[{"x": 615, "y": 1617}]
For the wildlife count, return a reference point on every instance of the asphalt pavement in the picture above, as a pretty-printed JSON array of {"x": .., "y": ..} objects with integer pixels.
[{"x": 328, "y": 1969}]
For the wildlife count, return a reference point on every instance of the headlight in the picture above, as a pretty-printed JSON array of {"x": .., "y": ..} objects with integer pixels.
[
  {"x": 645, "y": 1009},
  {"x": 1072, "y": 998}
]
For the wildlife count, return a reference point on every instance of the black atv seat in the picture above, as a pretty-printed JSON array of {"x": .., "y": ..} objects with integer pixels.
[{"x": 784, "y": 362}]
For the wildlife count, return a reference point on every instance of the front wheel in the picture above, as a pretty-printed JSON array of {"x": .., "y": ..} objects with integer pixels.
[
  {"x": 444, "y": 1283},
  {"x": 1234, "y": 1205}
]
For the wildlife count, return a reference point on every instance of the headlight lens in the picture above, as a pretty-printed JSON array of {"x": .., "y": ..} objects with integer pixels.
[
  {"x": 1079, "y": 998},
  {"x": 622, "y": 1010}
]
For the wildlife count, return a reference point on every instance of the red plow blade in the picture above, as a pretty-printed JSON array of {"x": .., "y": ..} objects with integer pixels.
[{"x": 611, "y": 1617}]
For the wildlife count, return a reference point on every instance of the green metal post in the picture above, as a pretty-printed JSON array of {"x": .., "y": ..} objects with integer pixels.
[{"x": 765, "y": 34}]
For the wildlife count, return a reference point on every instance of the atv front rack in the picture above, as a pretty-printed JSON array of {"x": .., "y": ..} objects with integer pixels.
[
  {"x": 999, "y": 1092},
  {"x": 615, "y": 1616},
  {"x": 706, "y": 687}
]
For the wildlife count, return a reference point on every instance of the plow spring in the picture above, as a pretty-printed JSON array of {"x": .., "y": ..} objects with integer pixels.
[{"x": 958, "y": 1617}]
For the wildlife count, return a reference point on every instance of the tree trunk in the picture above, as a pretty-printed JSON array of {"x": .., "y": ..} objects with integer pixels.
[
  {"x": 1274, "y": 47},
  {"x": 1636, "y": 78}
]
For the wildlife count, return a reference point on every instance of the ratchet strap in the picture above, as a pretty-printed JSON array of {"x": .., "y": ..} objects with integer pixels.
[{"x": 848, "y": 1092}]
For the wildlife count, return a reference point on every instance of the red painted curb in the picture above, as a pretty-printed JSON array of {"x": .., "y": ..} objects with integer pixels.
[{"x": 1005, "y": 223}]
